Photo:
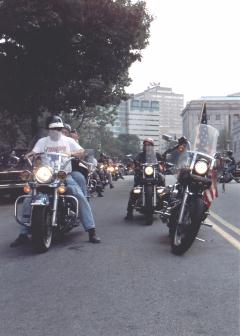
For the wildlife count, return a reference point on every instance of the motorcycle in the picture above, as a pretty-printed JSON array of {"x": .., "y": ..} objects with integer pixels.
[
  {"x": 184, "y": 209},
  {"x": 225, "y": 175},
  {"x": 53, "y": 210},
  {"x": 146, "y": 194}
]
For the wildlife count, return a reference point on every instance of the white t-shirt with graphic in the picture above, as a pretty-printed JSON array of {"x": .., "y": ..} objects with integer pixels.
[{"x": 64, "y": 145}]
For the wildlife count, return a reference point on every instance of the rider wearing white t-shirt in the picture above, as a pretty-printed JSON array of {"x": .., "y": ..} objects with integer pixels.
[{"x": 56, "y": 142}]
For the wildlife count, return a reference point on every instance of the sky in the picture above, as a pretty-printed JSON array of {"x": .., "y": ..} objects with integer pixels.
[{"x": 194, "y": 48}]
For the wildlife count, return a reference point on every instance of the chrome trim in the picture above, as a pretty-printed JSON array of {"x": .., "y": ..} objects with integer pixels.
[
  {"x": 54, "y": 208},
  {"x": 75, "y": 199},
  {"x": 12, "y": 171},
  {"x": 12, "y": 185},
  {"x": 185, "y": 197}
]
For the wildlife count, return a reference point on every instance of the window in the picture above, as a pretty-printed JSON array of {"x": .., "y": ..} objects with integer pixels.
[
  {"x": 218, "y": 117},
  {"x": 135, "y": 104},
  {"x": 155, "y": 105},
  {"x": 145, "y": 104}
]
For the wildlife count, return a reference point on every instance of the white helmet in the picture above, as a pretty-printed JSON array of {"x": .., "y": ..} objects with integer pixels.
[{"x": 55, "y": 122}]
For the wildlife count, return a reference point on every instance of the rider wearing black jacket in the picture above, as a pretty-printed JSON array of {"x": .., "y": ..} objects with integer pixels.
[{"x": 141, "y": 159}]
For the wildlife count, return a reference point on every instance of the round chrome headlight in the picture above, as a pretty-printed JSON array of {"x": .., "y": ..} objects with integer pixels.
[
  {"x": 201, "y": 167},
  {"x": 44, "y": 174},
  {"x": 149, "y": 170}
]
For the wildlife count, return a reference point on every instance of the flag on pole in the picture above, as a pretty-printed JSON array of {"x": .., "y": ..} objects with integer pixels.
[
  {"x": 204, "y": 114},
  {"x": 211, "y": 193}
]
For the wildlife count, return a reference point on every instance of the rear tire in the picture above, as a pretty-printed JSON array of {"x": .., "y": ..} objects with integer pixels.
[
  {"x": 193, "y": 216},
  {"x": 42, "y": 230},
  {"x": 149, "y": 204}
]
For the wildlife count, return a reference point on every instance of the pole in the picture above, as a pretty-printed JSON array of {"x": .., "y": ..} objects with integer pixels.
[{"x": 229, "y": 132}]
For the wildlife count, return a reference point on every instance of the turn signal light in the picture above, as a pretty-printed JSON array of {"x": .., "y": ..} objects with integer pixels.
[
  {"x": 61, "y": 189},
  {"x": 27, "y": 188}
]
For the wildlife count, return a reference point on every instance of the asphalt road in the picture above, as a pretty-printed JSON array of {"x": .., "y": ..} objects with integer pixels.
[{"x": 129, "y": 285}]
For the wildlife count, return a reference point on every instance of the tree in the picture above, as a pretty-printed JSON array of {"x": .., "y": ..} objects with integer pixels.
[
  {"x": 70, "y": 55},
  {"x": 129, "y": 144}
]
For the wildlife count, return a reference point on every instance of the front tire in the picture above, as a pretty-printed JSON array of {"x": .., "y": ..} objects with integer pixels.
[
  {"x": 149, "y": 204},
  {"x": 193, "y": 216},
  {"x": 42, "y": 230}
]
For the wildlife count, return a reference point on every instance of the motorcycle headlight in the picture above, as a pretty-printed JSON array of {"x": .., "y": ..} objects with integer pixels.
[
  {"x": 44, "y": 174},
  {"x": 110, "y": 169},
  {"x": 149, "y": 170},
  {"x": 201, "y": 167}
]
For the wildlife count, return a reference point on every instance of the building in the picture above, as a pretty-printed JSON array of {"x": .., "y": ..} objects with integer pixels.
[
  {"x": 121, "y": 123},
  {"x": 152, "y": 113},
  {"x": 236, "y": 140},
  {"x": 222, "y": 113}
]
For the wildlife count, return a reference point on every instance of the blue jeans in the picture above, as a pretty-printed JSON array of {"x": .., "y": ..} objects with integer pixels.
[
  {"x": 85, "y": 213},
  {"x": 81, "y": 181}
]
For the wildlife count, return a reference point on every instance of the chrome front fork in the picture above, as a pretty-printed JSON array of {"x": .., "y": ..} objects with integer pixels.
[{"x": 183, "y": 205}]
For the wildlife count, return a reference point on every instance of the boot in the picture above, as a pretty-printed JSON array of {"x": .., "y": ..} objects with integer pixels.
[
  {"x": 129, "y": 216},
  {"x": 93, "y": 237},
  {"x": 22, "y": 239}
]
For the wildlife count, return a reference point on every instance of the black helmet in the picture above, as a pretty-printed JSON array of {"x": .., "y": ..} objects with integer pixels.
[
  {"x": 182, "y": 141},
  {"x": 68, "y": 127},
  {"x": 55, "y": 122}
]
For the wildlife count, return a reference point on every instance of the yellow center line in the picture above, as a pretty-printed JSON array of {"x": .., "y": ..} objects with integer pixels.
[
  {"x": 234, "y": 242},
  {"x": 225, "y": 223}
]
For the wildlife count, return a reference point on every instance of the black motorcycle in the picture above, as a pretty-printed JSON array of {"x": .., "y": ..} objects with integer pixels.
[
  {"x": 146, "y": 194},
  {"x": 184, "y": 209},
  {"x": 53, "y": 210},
  {"x": 226, "y": 175}
]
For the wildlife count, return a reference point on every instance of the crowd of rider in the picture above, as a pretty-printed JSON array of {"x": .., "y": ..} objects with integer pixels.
[{"x": 63, "y": 139}]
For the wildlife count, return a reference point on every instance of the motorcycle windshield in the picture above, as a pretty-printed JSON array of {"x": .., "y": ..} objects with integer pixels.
[
  {"x": 150, "y": 155},
  {"x": 204, "y": 139},
  {"x": 57, "y": 161}
]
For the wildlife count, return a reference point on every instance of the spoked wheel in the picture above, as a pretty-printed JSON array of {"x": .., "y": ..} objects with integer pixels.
[
  {"x": 183, "y": 236},
  {"x": 42, "y": 230},
  {"x": 149, "y": 204}
]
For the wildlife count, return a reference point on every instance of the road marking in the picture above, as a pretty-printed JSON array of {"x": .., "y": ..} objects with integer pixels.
[
  {"x": 234, "y": 242},
  {"x": 225, "y": 223}
]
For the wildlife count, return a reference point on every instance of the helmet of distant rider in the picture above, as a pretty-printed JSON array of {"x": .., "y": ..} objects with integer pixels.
[
  {"x": 68, "y": 127},
  {"x": 148, "y": 141},
  {"x": 182, "y": 141},
  {"x": 55, "y": 122}
]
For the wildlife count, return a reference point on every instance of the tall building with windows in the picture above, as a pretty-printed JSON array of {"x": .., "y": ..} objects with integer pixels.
[
  {"x": 236, "y": 140},
  {"x": 152, "y": 113},
  {"x": 222, "y": 113}
]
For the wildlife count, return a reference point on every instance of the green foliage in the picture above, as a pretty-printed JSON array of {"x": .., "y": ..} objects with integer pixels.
[
  {"x": 101, "y": 139},
  {"x": 68, "y": 55},
  {"x": 129, "y": 144}
]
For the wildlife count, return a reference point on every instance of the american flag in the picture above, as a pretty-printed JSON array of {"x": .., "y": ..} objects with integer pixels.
[
  {"x": 203, "y": 144},
  {"x": 211, "y": 193}
]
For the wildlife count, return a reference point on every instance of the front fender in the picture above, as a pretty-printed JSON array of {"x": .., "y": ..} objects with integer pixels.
[{"x": 40, "y": 200}]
